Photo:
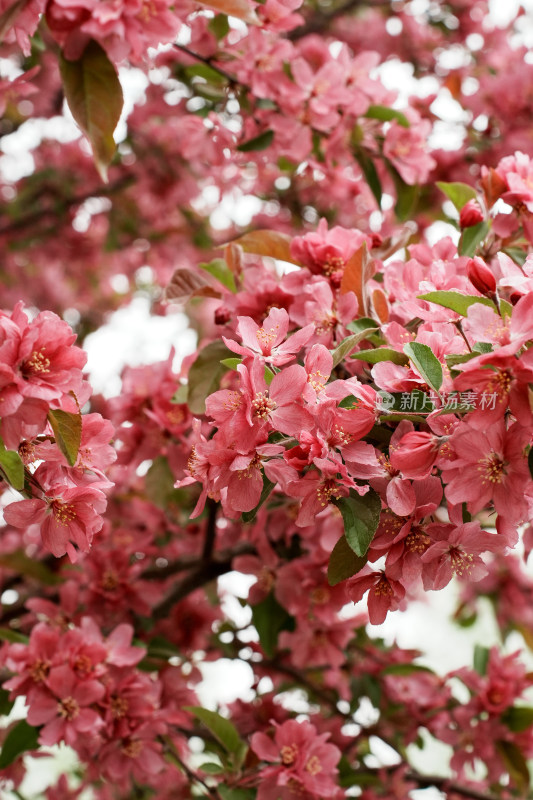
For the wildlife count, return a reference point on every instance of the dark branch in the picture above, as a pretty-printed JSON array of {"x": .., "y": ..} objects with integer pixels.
[
  {"x": 203, "y": 573},
  {"x": 321, "y": 20},
  {"x": 99, "y": 191}
]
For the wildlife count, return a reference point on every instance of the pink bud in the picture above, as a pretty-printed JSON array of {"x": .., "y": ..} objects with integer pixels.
[
  {"x": 415, "y": 454},
  {"x": 471, "y": 214},
  {"x": 480, "y": 276}
]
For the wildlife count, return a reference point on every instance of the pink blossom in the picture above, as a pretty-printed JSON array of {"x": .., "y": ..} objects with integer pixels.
[{"x": 301, "y": 759}]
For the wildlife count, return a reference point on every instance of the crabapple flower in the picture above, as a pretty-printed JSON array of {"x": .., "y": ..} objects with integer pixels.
[
  {"x": 269, "y": 341},
  {"x": 326, "y": 251},
  {"x": 302, "y": 762},
  {"x": 384, "y": 593},
  {"x": 67, "y": 514},
  {"x": 64, "y": 710}
]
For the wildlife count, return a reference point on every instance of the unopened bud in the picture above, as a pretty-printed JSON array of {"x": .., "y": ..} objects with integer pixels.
[
  {"x": 222, "y": 315},
  {"x": 471, "y": 214},
  {"x": 480, "y": 276}
]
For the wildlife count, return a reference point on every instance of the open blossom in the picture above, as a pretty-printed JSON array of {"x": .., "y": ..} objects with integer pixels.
[
  {"x": 384, "y": 593},
  {"x": 326, "y": 251},
  {"x": 64, "y": 709},
  {"x": 269, "y": 341},
  {"x": 68, "y": 514},
  {"x": 302, "y": 762},
  {"x": 489, "y": 466},
  {"x": 455, "y": 550}
]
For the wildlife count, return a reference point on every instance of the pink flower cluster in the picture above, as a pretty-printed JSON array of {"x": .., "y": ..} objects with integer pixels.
[
  {"x": 85, "y": 689},
  {"x": 299, "y": 418},
  {"x": 41, "y": 373}
]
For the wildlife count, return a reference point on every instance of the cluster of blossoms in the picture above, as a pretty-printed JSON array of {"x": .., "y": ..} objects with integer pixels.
[
  {"x": 353, "y": 430},
  {"x": 58, "y": 454},
  {"x": 307, "y": 428},
  {"x": 86, "y": 690}
]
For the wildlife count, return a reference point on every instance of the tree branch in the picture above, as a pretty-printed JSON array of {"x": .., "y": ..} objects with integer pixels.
[
  {"x": 99, "y": 191},
  {"x": 202, "y": 573},
  {"x": 321, "y": 20}
]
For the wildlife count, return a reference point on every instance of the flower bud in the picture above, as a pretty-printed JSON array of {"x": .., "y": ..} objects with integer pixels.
[
  {"x": 415, "y": 454},
  {"x": 480, "y": 276},
  {"x": 471, "y": 214}
]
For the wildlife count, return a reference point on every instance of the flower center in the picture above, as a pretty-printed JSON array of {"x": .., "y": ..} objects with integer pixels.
[
  {"x": 265, "y": 336},
  {"x": 63, "y": 512},
  {"x": 460, "y": 562},
  {"x": 109, "y": 581},
  {"x": 417, "y": 541},
  {"x": 383, "y": 587},
  {"x": 262, "y": 405},
  {"x": 68, "y": 708},
  {"x": 491, "y": 468},
  {"x": 313, "y": 765},
  {"x": 36, "y": 363},
  {"x": 326, "y": 490},
  {"x": 132, "y": 749},
  {"x": 119, "y": 706},
  {"x": 39, "y": 670},
  {"x": 288, "y": 754}
]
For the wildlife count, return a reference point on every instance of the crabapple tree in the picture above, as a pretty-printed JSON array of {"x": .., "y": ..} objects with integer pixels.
[{"x": 353, "y": 432}]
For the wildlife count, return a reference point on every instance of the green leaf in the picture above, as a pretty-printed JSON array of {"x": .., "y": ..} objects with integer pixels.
[
  {"x": 348, "y": 344},
  {"x": 67, "y": 431},
  {"x": 205, "y": 374},
  {"x": 515, "y": 763},
  {"x": 12, "y": 467},
  {"x": 407, "y": 199},
  {"x": 343, "y": 562},
  {"x": 219, "y": 26},
  {"x": 211, "y": 768},
  {"x": 269, "y": 619},
  {"x": 516, "y": 254},
  {"x": 159, "y": 484},
  {"x": 361, "y": 519},
  {"x": 22, "y": 564},
  {"x": 249, "y": 516},
  {"x": 427, "y": 364},
  {"x": 206, "y": 72},
  {"x": 219, "y": 269},
  {"x": 269, "y": 375},
  {"x": 406, "y": 194},
  {"x": 5, "y": 703},
  {"x": 518, "y": 718},
  {"x": 471, "y": 238},
  {"x": 8, "y": 635},
  {"x": 387, "y": 114},
  {"x": 233, "y": 793},
  {"x": 94, "y": 96},
  {"x": 382, "y": 354},
  {"x": 481, "y": 659},
  {"x": 406, "y": 669},
  {"x": 231, "y": 363},
  {"x": 159, "y": 647},
  {"x": 21, "y": 737},
  {"x": 458, "y": 193},
  {"x": 260, "y": 142},
  {"x": 370, "y": 172},
  {"x": 221, "y": 728},
  {"x": 180, "y": 395},
  {"x": 530, "y": 461},
  {"x": 455, "y": 301}
]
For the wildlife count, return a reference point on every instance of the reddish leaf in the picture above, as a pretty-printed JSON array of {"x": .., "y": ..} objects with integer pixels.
[
  {"x": 356, "y": 273},
  {"x": 234, "y": 8},
  {"x": 266, "y": 243},
  {"x": 380, "y": 305},
  {"x": 185, "y": 283}
]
